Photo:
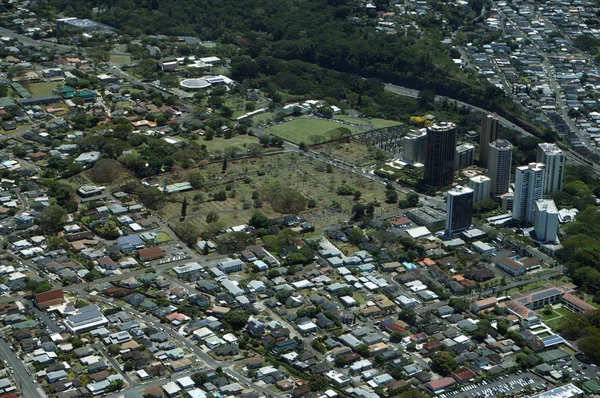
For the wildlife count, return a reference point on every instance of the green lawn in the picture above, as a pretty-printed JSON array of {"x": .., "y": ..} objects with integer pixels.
[
  {"x": 220, "y": 144},
  {"x": 120, "y": 59},
  {"x": 299, "y": 130},
  {"x": 41, "y": 88},
  {"x": 162, "y": 237}
]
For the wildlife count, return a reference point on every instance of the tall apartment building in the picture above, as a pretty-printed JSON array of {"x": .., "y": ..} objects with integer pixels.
[
  {"x": 439, "y": 156},
  {"x": 554, "y": 159},
  {"x": 459, "y": 210},
  {"x": 464, "y": 156},
  {"x": 546, "y": 220},
  {"x": 500, "y": 163},
  {"x": 489, "y": 134},
  {"x": 413, "y": 146},
  {"x": 481, "y": 187},
  {"x": 529, "y": 187}
]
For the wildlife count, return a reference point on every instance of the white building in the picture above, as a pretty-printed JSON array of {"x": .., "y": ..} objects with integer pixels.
[
  {"x": 546, "y": 220},
  {"x": 481, "y": 187},
  {"x": 464, "y": 156},
  {"x": 529, "y": 187},
  {"x": 413, "y": 146},
  {"x": 554, "y": 159}
]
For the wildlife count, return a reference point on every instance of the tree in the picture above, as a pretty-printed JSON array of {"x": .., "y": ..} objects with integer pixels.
[
  {"x": 443, "y": 363},
  {"x": 196, "y": 179},
  {"x": 128, "y": 366},
  {"x": 502, "y": 327},
  {"x": 287, "y": 200},
  {"x": 212, "y": 217},
  {"x": 184, "y": 208},
  {"x": 151, "y": 197},
  {"x": 396, "y": 337},
  {"x": 391, "y": 196},
  {"x": 340, "y": 361},
  {"x": 186, "y": 231},
  {"x": 460, "y": 305},
  {"x": 224, "y": 167},
  {"x": 114, "y": 349},
  {"x": 258, "y": 220},
  {"x": 363, "y": 351},
  {"x": 317, "y": 383},
  {"x": 237, "y": 319},
  {"x": 52, "y": 219},
  {"x": 106, "y": 171},
  {"x": 548, "y": 310}
]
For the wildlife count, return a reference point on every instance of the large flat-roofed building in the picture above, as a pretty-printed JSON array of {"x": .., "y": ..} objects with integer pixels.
[
  {"x": 427, "y": 217},
  {"x": 499, "y": 165},
  {"x": 439, "y": 155},
  {"x": 86, "y": 319},
  {"x": 489, "y": 133},
  {"x": 554, "y": 159},
  {"x": 566, "y": 391},
  {"x": 49, "y": 299},
  {"x": 88, "y": 191},
  {"x": 529, "y": 187}
]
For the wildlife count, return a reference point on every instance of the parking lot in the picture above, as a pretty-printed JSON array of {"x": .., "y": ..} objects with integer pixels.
[{"x": 503, "y": 385}]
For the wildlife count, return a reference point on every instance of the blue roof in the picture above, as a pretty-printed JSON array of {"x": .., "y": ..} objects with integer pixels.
[
  {"x": 545, "y": 294},
  {"x": 130, "y": 242},
  {"x": 552, "y": 340}
]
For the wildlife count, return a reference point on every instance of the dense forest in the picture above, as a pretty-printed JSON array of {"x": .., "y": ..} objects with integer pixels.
[{"x": 326, "y": 33}]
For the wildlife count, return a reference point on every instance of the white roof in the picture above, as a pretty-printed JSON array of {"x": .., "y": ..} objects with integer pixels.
[
  {"x": 418, "y": 232},
  {"x": 186, "y": 382}
]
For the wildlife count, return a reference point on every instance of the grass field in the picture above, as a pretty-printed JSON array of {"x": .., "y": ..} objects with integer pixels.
[
  {"x": 162, "y": 237},
  {"x": 299, "y": 130},
  {"x": 527, "y": 287},
  {"x": 305, "y": 175},
  {"x": 120, "y": 59},
  {"x": 41, "y": 88},
  {"x": 220, "y": 144}
]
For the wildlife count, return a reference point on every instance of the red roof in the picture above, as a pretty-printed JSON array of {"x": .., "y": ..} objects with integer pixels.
[
  {"x": 463, "y": 374},
  {"x": 151, "y": 253},
  {"x": 48, "y": 299},
  {"x": 435, "y": 385}
]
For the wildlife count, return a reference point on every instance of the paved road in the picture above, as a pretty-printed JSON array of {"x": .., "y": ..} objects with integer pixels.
[
  {"x": 408, "y": 92},
  {"x": 25, "y": 382}
]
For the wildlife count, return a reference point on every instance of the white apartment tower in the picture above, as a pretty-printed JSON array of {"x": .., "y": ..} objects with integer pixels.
[
  {"x": 546, "y": 220},
  {"x": 499, "y": 165},
  {"x": 554, "y": 159},
  {"x": 529, "y": 187},
  {"x": 413, "y": 146},
  {"x": 481, "y": 187}
]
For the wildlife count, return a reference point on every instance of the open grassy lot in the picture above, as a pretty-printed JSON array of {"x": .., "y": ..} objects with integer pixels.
[
  {"x": 162, "y": 237},
  {"x": 299, "y": 130},
  {"x": 41, "y": 88},
  {"x": 120, "y": 59},
  {"x": 372, "y": 123},
  {"x": 246, "y": 178}
]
